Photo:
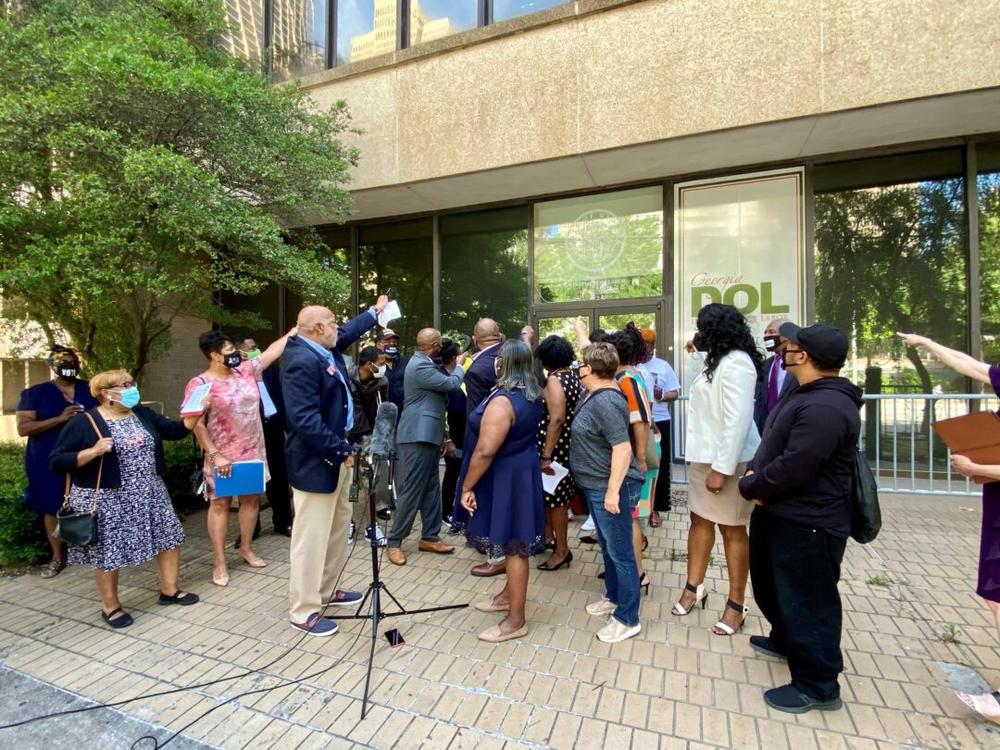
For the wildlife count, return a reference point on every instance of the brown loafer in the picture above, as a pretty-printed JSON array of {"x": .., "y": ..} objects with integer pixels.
[
  {"x": 440, "y": 547},
  {"x": 488, "y": 570},
  {"x": 396, "y": 556}
]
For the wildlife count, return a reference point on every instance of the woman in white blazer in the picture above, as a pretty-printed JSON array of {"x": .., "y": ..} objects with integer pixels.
[{"x": 721, "y": 438}]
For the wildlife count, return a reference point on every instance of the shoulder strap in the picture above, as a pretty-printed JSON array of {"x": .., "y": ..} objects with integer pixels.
[{"x": 100, "y": 466}]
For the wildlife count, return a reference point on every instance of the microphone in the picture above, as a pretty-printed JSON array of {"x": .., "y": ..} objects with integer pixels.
[{"x": 383, "y": 443}]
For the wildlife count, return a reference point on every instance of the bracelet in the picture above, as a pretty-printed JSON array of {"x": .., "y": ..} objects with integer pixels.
[
  {"x": 212, "y": 455},
  {"x": 546, "y": 458}
]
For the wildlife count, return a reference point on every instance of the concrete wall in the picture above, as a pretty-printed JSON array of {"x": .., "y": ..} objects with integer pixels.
[
  {"x": 165, "y": 379},
  {"x": 604, "y": 75}
]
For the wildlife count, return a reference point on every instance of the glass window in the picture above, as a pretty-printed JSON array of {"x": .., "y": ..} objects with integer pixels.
[
  {"x": 890, "y": 256},
  {"x": 245, "y": 35},
  {"x": 400, "y": 256},
  {"x": 504, "y": 9},
  {"x": 298, "y": 41},
  {"x": 603, "y": 246},
  {"x": 484, "y": 269},
  {"x": 365, "y": 28},
  {"x": 434, "y": 19},
  {"x": 988, "y": 161}
]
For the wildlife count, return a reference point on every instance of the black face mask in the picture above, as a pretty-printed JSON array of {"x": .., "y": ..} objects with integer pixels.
[
  {"x": 392, "y": 350},
  {"x": 232, "y": 360},
  {"x": 770, "y": 342},
  {"x": 66, "y": 371},
  {"x": 700, "y": 344}
]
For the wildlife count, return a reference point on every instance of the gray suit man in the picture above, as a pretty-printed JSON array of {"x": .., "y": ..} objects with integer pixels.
[{"x": 419, "y": 437}]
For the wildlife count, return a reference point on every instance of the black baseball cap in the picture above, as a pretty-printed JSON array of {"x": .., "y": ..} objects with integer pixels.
[
  {"x": 826, "y": 344},
  {"x": 388, "y": 333}
]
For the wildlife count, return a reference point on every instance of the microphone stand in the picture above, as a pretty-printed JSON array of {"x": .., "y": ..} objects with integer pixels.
[{"x": 377, "y": 587}]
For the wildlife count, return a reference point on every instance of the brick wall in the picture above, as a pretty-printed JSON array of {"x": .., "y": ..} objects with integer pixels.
[{"x": 164, "y": 380}]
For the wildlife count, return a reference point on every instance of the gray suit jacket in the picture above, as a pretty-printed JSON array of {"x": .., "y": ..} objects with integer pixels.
[{"x": 426, "y": 387}]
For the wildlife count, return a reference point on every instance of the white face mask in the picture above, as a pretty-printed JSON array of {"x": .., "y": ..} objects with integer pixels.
[{"x": 380, "y": 372}]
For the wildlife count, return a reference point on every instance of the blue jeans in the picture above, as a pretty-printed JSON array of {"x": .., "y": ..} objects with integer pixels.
[{"x": 614, "y": 532}]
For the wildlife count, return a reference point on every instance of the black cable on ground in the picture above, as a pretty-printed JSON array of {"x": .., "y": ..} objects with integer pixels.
[{"x": 256, "y": 670}]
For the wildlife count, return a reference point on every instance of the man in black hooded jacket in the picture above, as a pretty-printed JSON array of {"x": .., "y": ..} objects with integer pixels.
[{"x": 801, "y": 478}]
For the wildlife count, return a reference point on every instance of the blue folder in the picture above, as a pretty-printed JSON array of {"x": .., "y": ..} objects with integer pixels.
[{"x": 247, "y": 479}]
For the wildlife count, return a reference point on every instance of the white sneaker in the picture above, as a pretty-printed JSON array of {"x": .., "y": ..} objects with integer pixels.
[
  {"x": 602, "y": 608},
  {"x": 616, "y": 631},
  {"x": 351, "y": 531},
  {"x": 379, "y": 535},
  {"x": 588, "y": 525}
]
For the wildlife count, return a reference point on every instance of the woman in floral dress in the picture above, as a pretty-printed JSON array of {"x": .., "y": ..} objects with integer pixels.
[{"x": 231, "y": 431}]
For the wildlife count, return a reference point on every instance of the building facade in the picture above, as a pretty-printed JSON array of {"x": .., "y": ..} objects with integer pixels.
[{"x": 633, "y": 160}]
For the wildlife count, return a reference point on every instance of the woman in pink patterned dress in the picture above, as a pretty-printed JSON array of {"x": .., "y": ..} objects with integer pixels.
[{"x": 231, "y": 431}]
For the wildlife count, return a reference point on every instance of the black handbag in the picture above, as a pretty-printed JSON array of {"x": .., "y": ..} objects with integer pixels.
[
  {"x": 866, "y": 521},
  {"x": 79, "y": 527}
]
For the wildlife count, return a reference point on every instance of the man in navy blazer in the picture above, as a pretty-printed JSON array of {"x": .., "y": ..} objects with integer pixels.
[
  {"x": 776, "y": 382},
  {"x": 318, "y": 415}
]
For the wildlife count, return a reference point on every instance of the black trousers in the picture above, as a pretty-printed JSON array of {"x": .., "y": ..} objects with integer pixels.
[
  {"x": 449, "y": 484},
  {"x": 279, "y": 497},
  {"x": 661, "y": 500},
  {"x": 794, "y": 570}
]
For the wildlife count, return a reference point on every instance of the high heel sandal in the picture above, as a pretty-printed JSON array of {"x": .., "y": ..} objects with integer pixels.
[
  {"x": 726, "y": 630},
  {"x": 644, "y": 583},
  {"x": 565, "y": 561},
  {"x": 700, "y": 595}
]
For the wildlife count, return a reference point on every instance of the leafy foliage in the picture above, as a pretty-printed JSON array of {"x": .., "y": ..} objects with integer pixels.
[
  {"x": 142, "y": 167},
  {"x": 21, "y": 539}
]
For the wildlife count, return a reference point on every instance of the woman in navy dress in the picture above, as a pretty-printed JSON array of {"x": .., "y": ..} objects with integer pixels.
[
  {"x": 502, "y": 508},
  {"x": 41, "y": 414},
  {"x": 988, "y": 584}
]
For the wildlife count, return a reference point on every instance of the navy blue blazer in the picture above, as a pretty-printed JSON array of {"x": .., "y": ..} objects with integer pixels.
[
  {"x": 480, "y": 379},
  {"x": 315, "y": 402},
  {"x": 760, "y": 411}
]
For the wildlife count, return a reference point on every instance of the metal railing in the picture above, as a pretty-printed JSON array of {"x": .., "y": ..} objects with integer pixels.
[{"x": 896, "y": 436}]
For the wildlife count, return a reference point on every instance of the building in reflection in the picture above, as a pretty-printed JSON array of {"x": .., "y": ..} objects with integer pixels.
[
  {"x": 246, "y": 29},
  {"x": 382, "y": 38}
]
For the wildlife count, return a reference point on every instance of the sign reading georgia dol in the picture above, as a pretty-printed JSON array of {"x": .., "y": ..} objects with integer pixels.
[{"x": 739, "y": 241}]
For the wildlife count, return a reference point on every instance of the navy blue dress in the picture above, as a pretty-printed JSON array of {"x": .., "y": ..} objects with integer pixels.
[
  {"x": 45, "y": 488},
  {"x": 510, "y": 514}
]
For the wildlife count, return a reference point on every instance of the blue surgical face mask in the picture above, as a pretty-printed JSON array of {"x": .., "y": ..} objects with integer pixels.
[{"x": 129, "y": 397}]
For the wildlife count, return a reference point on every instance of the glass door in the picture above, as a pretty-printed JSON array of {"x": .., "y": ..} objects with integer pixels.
[{"x": 606, "y": 316}]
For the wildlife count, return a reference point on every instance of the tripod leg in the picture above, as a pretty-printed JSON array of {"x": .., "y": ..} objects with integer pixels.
[
  {"x": 376, "y": 616},
  {"x": 402, "y": 609}
]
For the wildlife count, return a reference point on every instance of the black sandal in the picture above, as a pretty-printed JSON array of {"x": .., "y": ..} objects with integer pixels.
[
  {"x": 589, "y": 539},
  {"x": 118, "y": 622},
  {"x": 185, "y": 600}
]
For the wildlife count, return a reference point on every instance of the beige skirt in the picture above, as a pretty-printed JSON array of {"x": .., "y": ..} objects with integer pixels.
[{"x": 728, "y": 507}]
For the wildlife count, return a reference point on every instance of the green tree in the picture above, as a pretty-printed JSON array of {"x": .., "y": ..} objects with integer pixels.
[
  {"x": 143, "y": 167},
  {"x": 892, "y": 259}
]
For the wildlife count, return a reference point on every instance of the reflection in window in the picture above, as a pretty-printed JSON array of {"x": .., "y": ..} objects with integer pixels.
[
  {"x": 484, "y": 270},
  {"x": 335, "y": 258},
  {"x": 434, "y": 19},
  {"x": 988, "y": 160},
  {"x": 298, "y": 45},
  {"x": 365, "y": 28},
  {"x": 603, "y": 246},
  {"x": 245, "y": 35},
  {"x": 890, "y": 256},
  {"x": 400, "y": 256},
  {"x": 504, "y": 9}
]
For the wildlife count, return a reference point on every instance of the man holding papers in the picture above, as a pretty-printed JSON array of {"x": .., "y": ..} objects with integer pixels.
[{"x": 319, "y": 412}]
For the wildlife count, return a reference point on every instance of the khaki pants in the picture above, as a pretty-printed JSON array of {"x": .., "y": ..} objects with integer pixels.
[{"x": 319, "y": 546}]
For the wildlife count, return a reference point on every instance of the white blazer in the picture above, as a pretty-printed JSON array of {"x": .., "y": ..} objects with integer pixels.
[{"x": 720, "y": 427}]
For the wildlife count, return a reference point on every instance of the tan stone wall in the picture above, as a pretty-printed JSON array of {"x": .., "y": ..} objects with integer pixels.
[
  {"x": 165, "y": 379},
  {"x": 653, "y": 70}
]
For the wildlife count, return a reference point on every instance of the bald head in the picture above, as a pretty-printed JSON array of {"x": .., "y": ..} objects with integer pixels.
[
  {"x": 486, "y": 332},
  {"x": 318, "y": 324},
  {"x": 429, "y": 340},
  {"x": 773, "y": 326}
]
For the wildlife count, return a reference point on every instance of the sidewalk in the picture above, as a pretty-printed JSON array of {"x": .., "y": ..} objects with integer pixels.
[{"x": 674, "y": 686}]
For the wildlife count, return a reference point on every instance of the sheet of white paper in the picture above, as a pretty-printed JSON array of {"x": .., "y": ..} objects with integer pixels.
[
  {"x": 551, "y": 481},
  {"x": 192, "y": 405},
  {"x": 389, "y": 313}
]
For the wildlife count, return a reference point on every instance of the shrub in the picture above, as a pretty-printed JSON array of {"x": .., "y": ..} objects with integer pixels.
[
  {"x": 181, "y": 460},
  {"x": 22, "y": 539}
]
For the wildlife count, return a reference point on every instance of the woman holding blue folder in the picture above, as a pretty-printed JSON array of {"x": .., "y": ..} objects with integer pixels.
[
  {"x": 232, "y": 432},
  {"x": 113, "y": 454}
]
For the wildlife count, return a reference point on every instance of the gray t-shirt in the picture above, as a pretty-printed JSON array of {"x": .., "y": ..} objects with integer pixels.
[{"x": 600, "y": 423}]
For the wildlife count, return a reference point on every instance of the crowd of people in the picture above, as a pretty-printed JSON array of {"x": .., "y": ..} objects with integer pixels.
[{"x": 525, "y": 430}]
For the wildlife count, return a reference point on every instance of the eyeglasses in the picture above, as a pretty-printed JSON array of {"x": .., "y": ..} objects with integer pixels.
[{"x": 126, "y": 384}]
